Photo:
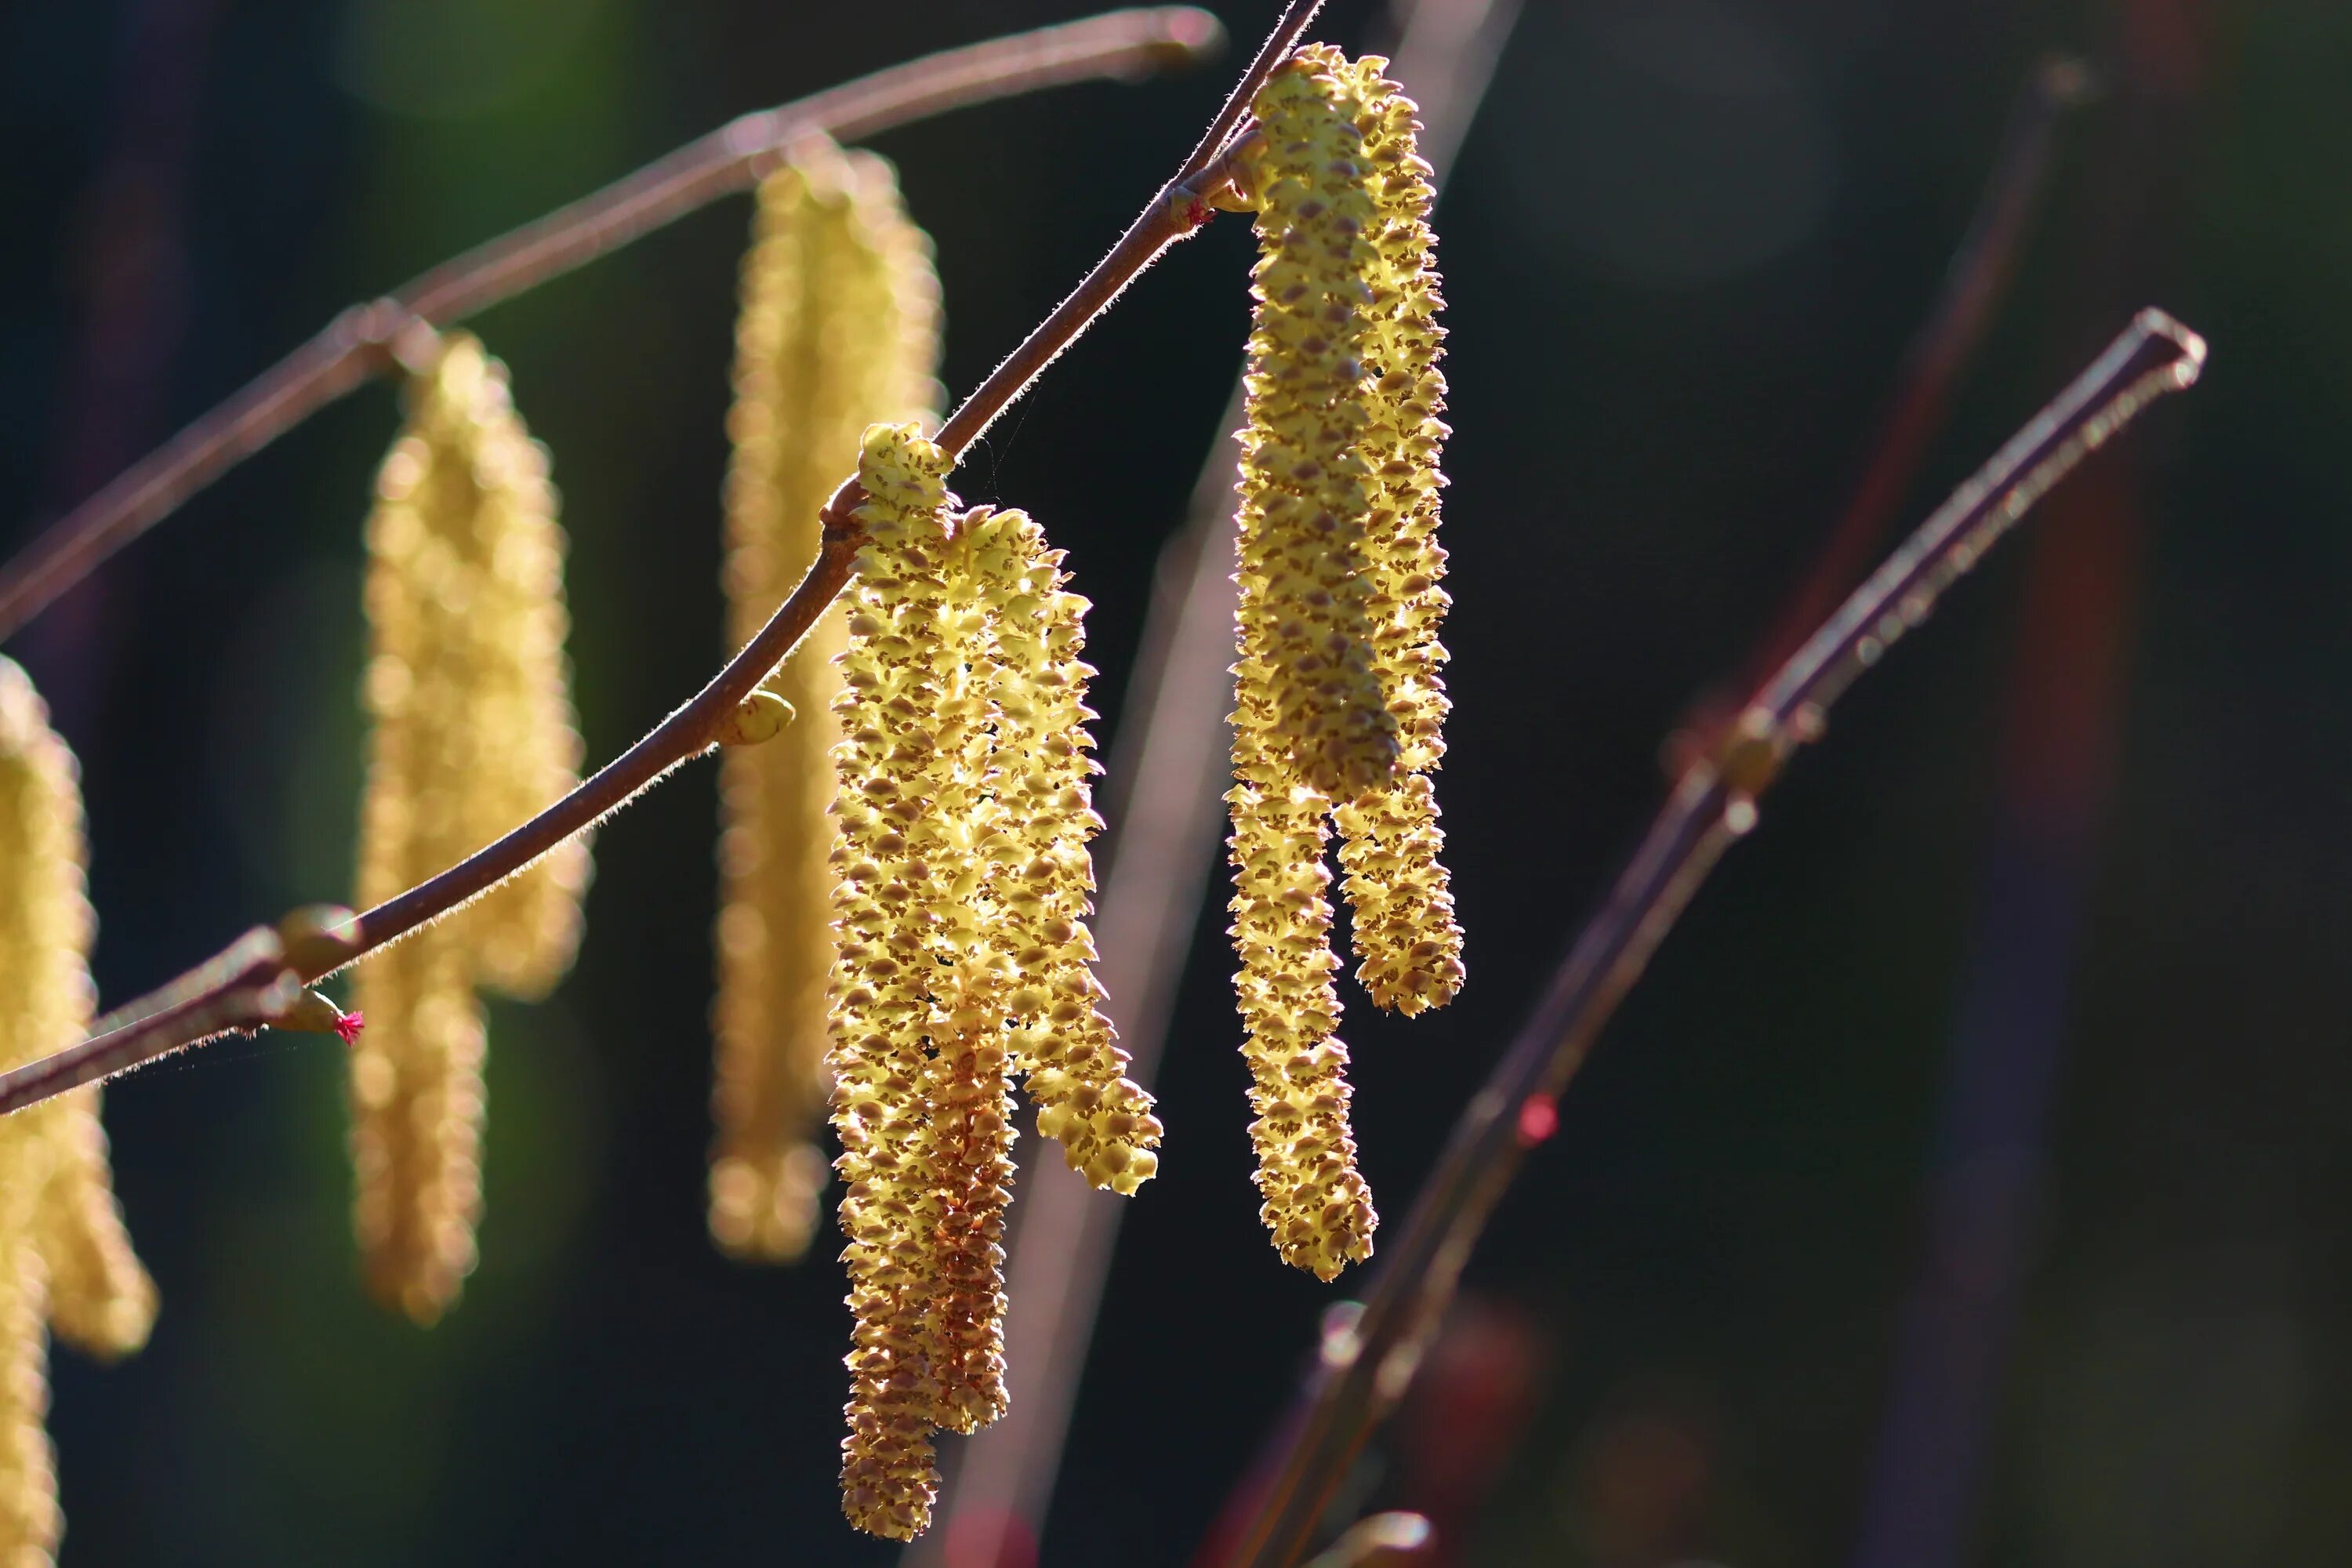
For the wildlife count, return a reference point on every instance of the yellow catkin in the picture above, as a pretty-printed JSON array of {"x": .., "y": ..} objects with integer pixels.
[
  {"x": 1304, "y": 500},
  {"x": 911, "y": 748},
  {"x": 1314, "y": 1204},
  {"x": 1391, "y": 844},
  {"x": 469, "y": 690},
  {"x": 839, "y": 327},
  {"x": 63, "y": 1250},
  {"x": 1042, "y": 873}
]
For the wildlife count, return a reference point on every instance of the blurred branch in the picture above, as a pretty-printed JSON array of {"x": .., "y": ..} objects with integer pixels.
[
  {"x": 1175, "y": 210},
  {"x": 1939, "y": 351},
  {"x": 1365, "y": 1369},
  {"x": 1163, "y": 796},
  {"x": 363, "y": 341}
]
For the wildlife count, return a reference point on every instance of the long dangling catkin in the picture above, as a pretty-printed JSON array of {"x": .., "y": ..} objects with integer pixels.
[
  {"x": 839, "y": 327},
  {"x": 1304, "y": 498},
  {"x": 1042, "y": 872},
  {"x": 1391, "y": 844},
  {"x": 904, "y": 868},
  {"x": 1305, "y": 689},
  {"x": 63, "y": 1250},
  {"x": 468, "y": 692}
]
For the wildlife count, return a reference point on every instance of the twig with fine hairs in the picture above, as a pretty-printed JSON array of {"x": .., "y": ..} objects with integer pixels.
[
  {"x": 1366, "y": 1367},
  {"x": 364, "y": 342},
  {"x": 1163, "y": 795},
  {"x": 1176, "y": 210}
]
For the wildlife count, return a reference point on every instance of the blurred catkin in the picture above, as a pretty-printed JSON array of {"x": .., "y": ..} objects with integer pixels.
[
  {"x": 1391, "y": 844},
  {"x": 469, "y": 691},
  {"x": 839, "y": 327},
  {"x": 63, "y": 1250}
]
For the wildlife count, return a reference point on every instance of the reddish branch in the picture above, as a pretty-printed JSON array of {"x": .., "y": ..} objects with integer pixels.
[{"x": 1169, "y": 215}]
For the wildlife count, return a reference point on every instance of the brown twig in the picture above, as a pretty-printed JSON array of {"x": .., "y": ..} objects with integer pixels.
[
  {"x": 362, "y": 344},
  {"x": 1175, "y": 211},
  {"x": 1365, "y": 1369}
]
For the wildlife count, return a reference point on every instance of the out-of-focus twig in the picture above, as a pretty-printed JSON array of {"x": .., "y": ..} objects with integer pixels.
[
  {"x": 363, "y": 341},
  {"x": 1939, "y": 352},
  {"x": 1165, "y": 784},
  {"x": 1366, "y": 1370}
]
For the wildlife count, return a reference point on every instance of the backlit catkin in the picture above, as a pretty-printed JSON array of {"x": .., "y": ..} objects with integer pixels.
[
  {"x": 911, "y": 754},
  {"x": 1304, "y": 484},
  {"x": 1041, "y": 870},
  {"x": 839, "y": 327},
  {"x": 63, "y": 1251},
  {"x": 468, "y": 689},
  {"x": 1391, "y": 844}
]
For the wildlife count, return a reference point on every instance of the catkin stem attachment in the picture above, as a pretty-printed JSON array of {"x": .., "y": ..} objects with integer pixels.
[
  {"x": 839, "y": 327},
  {"x": 469, "y": 691}
]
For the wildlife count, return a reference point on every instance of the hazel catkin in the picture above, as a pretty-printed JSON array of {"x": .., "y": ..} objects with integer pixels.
[
  {"x": 838, "y": 328},
  {"x": 469, "y": 690},
  {"x": 1041, "y": 870},
  {"x": 64, "y": 1254},
  {"x": 1391, "y": 844},
  {"x": 1304, "y": 498}
]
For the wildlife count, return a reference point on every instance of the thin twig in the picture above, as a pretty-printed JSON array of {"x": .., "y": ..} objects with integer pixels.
[
  {"x": 361, "y": 343},
  {"x": 1164, "y": 798},
  {"x": 1366, "y": 1368},
  {"x": 1173, "y": 212}
]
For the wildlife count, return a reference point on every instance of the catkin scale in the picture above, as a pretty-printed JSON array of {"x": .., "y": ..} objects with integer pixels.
[
  {"x": 838, "y": 328},
  {"x": 63, "y": 1251},
  {"x": 468, "y": 689}
]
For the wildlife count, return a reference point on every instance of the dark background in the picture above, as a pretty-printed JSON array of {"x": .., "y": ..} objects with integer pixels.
[{"x": 2086, "y": 838}]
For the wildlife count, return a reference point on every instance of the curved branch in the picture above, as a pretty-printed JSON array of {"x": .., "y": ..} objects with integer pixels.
[
  {"x": 1173, "y": 212},
  {"x": 1365, "y": 1370},
  {"x": 363, "y": 342}
]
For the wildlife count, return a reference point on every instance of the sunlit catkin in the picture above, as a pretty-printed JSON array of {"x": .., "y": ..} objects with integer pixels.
[
  {"x": 839, "y": 327},
  {"x": 469, "y": 694},
  {"x": 63, "y": 1251},
  {"x": 1303, "y": 483},
  {"x": 1391, "y": 844},
  {"x": 912, "y": 753},
  {"x": 1041, "y": 870}
]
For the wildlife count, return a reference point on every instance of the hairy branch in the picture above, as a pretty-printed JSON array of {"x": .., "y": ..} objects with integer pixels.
[
  {"x": 1175, "y": 211},
  {"x": 1365, "y": 1369},
  {"x": 363, "y": 341}
]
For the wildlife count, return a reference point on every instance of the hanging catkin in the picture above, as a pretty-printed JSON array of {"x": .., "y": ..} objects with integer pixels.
[
  {"x": 1390, "y": 843},
  {"x": 1306, "y": 694},
  {"x": 1041, "y": 870},
  {"x": 838, "y": 329},
  {"x": 907, "y": 753},
  {"x": 63, "y": 1250},
  {"x": 472, "y": 732}
]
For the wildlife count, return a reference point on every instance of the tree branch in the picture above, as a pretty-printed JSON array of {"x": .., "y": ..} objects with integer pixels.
[
  {"x": 1173, "y": 212},
  {"x": 1365, "y": 1370},
  {"x": 362, "y": 344}
]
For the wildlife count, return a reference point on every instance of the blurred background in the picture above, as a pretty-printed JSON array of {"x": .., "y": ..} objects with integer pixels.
[{"x": 1967, "y": 1183}]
